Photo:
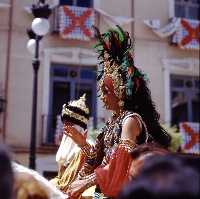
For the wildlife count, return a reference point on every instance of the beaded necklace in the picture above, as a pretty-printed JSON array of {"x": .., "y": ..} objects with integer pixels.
[{"x": 112, "y": 131}]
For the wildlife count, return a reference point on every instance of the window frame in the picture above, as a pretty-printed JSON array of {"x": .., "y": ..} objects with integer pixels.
[
  {"x": 172, "y": 12},
  {"x": 184, "y": 66},
  {"x": 72, "y": 83},
  {"x": 189, "y": 92},
  {"x": 75, "y": 3},
  {"x": 63, "y": 55}
]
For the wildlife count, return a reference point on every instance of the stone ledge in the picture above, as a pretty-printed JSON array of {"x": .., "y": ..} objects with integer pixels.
[{"x": 43, "y": 149}]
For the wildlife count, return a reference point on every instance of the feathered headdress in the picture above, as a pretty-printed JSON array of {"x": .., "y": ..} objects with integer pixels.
[{"x": 116, "y": 60}]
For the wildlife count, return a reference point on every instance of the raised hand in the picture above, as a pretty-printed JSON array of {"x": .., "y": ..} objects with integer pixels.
[{"x": 78, "y": 137}]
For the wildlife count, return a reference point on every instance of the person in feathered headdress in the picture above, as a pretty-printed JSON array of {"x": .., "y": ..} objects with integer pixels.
[{"x": 135, "y": 121}]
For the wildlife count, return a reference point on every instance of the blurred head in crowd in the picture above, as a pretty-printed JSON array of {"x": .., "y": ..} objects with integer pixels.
[
  {"x": 141, "y": 153},
  {"x": 164, "y": 177},
  {"x": 6, "y": 174},
  {"x": 26, "y": 187}
]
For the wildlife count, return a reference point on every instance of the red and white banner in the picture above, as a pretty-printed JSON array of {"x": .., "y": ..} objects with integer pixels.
[
  {"x": 76, "y": 22},
  {"x": 187, "y": 35},
  {"x": 191, "y": 137},
  {"x": 185, "y": 32}
]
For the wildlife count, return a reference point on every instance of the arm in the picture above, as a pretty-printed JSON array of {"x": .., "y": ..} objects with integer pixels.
[
  {"x": 131, "y": 129},
  {"x": 93, "y": 154},
  {"x": 115, "y": 174},
  {"x": 80, "y": 139},
  {"x": 94, "y": 157},
  {"x": 86, "y": 177}
]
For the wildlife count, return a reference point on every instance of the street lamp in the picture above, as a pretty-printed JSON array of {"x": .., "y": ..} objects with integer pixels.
[
  {"x": 2, "y": 104},
  {"x": 39, "y": 28}
]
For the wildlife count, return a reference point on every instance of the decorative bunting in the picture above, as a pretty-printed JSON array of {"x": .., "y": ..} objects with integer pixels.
[
  {"x": 165, "y": 31},
  {"x": 191, "y": 137},
  {"x": 188, "y": 34},
  {"x": 185, "y": 32},
  {"x": 76, "y": 22}
]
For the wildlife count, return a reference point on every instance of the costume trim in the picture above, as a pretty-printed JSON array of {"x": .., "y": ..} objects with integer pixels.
[{"x": 127, "y": 144}]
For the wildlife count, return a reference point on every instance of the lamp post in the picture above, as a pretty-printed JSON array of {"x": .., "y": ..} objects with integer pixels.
[
  {"x": 39, "y": 28},
  {"x": 2, "y": 104}
]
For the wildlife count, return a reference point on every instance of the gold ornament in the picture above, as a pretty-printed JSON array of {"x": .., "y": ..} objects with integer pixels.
[
  {"x": 121, "y": 103},
  {"x": 112, "y": 72}
]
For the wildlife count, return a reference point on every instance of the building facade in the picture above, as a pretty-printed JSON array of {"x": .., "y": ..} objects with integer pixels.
[{"x": 68, "y": 68}]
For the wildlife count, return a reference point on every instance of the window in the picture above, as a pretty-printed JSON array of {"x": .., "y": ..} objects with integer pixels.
[
  {"x": 185, "y": 100},
  {"x": 80, "y": 3},
  {"x": 187, "y": 9},
  {"x": 69, "y": 83}
]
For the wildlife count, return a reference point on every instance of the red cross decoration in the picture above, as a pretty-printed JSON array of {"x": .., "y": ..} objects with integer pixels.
[
  {"x": 187, "y": 35},
  {"x": 193, "y": 33},
  {"x": 76, "y": 22},
  {"x": 191, "y": 136}
]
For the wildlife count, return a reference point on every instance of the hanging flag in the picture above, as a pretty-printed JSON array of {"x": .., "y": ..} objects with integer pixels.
[
  {"x": 165, "y": 31},
  {"x": 76, "y": 22},
  {"x": 187, "y": 35},
  {"x": 111, "y": 20},
  {"x": 191, "y": 137}
]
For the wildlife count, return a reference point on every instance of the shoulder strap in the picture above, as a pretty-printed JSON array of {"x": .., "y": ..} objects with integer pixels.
[{"x": 140, "y": 121}]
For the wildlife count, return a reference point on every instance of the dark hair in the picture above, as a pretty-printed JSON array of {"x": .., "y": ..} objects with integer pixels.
[
  {"x": 164, "y": 177},
  {"x": 141, "y": 103},
  {"x": 6, "y": 174}
]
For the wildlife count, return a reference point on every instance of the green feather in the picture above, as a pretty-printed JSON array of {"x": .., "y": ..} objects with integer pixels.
[{"x": 122, "y": 34}]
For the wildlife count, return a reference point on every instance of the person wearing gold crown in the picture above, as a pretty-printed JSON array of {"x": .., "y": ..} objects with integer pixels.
[
  {"x": 135, "y": 121},
  {"x": 69, "y": 156}
]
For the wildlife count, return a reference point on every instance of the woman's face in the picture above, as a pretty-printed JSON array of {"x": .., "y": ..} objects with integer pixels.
[{"x": 109, "y": 97}]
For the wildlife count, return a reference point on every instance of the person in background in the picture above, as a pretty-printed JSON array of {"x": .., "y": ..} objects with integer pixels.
[
  {"x": 165, "y": 177},
  {"x": 29, "y": 184},
  {"x": 27, "y": 187},
  {"x": 6, "y": 174},
  {"x": 69, "y": 157}
]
